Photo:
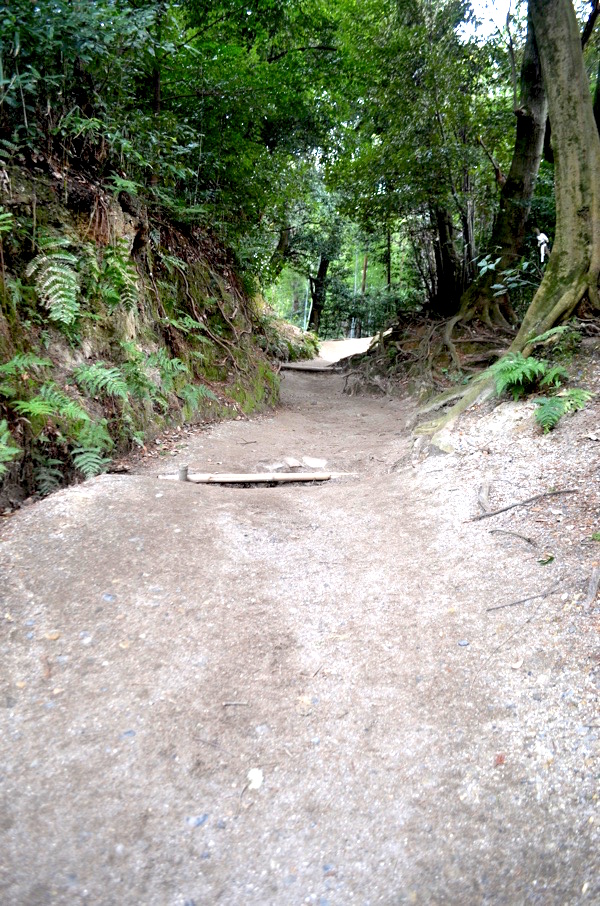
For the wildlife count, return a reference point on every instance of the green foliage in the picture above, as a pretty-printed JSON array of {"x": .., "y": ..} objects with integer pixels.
[
  {"x": 8, "y": 448},
  {"x": 517, "y": 375},
  {"x": 550, "y": 410},
  {"x": 52, "y": 403},
  {"x": 192, "y": 396},
  {"x": 48, "y": 471},
  {"x": 170, "y": 368},
  {"x": 6, "y": 222},
  {"x": 118, "y": 277},
  {"x": 554, "y": 376},
  {"x": 101, "y": 380},
  {"x": 56, "y": 278}
]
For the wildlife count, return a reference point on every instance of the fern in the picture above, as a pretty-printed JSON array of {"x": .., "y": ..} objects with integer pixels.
[
  {"x": 192, "y": 394},
  {"x": 168, "y": 367},
  {"x": 89, "y": 461},
  {"x": 8, "y": 448},
  {"x": 47, "y": 472},
  {"x": 516, "y": 374},
  {"x": 6, "y": 222},
  {"x": 15, "y": 372},
  {"x": 52, "y": 402},
  {"x": 551, "y": 409},
  {"x": 553, "y": 332},
  {"x": 549, "y": 412},
  {"x": 98, "y": 379},
  {"x": 119, "y": 277},
  {"x": 22, "y": 363},
  {"x": 554, "y": 376},
  {"x": 57, "y": 280},
  {"x": 93, "y": 441},
  {"x": 140, "y": 385}
]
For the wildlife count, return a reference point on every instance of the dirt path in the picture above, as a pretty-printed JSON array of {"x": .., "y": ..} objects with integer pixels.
[{"x": 159, "y": 641}]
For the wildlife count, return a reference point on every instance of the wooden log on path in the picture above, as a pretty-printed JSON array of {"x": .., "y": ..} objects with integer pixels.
[
  {"x": 252, "y": 477},
  {"x": 297, "y": 366}
]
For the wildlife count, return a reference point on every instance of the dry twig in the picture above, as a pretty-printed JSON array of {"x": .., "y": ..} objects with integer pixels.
[
  {"x": 523, "y": 503},
  {"x": 592, "y": 588},
  {"x": 543, "y": 594}
]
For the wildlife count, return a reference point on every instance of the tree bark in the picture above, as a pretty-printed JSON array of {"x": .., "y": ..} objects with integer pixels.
[
  {"x": 318, "y": 291},
  {"x": 508, "y": 233},
  {"x": 446, "y": 297},
  {"x": 574, "y": 266}
]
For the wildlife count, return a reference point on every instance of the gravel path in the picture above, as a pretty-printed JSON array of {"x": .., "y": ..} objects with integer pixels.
[{"x": 290, "y": 695}]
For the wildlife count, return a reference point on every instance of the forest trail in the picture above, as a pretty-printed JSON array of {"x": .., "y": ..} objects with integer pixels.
[{"x": 289, "y": 695}]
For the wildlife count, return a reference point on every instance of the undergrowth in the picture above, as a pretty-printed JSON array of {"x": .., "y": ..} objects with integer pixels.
[
  {"x": 99, "y": 350},
  {"x": 522, "y": 376}
]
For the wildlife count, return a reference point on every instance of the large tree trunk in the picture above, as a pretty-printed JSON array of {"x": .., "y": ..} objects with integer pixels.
[
  {"x": 446, "y": 298},
  {"x": 508, "y": 233},
  {"x": 317, "y": 290},
  {"x": 573, "y": 270},
  {"x": 574, "y": 266}
]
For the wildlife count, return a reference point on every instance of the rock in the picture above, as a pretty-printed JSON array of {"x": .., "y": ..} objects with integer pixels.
[{"x": 314, "y": 463}]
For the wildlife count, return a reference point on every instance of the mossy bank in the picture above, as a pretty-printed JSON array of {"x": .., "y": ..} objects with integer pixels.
[{"x": 114, "y": 322}]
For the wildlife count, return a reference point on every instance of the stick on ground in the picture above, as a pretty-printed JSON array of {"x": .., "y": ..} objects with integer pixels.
[
  {"x": 543, "y": 594},
  {"x": 592, "y": 588},
  {"x": 523, "y": 503}
]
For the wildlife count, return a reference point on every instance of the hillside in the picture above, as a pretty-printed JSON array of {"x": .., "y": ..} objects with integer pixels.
[{"x": 115, "y": 321}]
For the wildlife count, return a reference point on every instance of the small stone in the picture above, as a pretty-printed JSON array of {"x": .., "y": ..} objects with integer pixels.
[
  {"x": 53, "y": 635},
  {"x": 463, "y": 643},
  {"x": 108, "y": 597},
  {"x": 196, "y": 820},
  {"x": 128, "y": 734}
]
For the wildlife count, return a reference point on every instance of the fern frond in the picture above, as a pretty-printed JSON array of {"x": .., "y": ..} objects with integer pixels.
[
  {"x": 192, "y": 394},
  {"x": 95, "y": 435},
  {"x": 51, "y": 402},
  {"x": 554, "y": 376},
  {"x": 23, "y": 362},
  {"x": 56, "y": 278},
  {"x": 549, "y": 412},
  {"x": 8, "y": 448},
  {"x": 551, "y": 409},
  {"x": 517, "y": 374},
  {"x": 6, "y": 222},
  {"x": 89, "y": 461},
  {"x": 553, "y": 332},
  {"x": 99, "y": 379},
  {"x": 119, "y": 277},
  {"x": 47, "y": 473},
  {"x": 575, "y": 399}
]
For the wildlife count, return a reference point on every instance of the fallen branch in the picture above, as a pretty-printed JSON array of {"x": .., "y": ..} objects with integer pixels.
[
  {"x": 499, "y": 531},
  {"x": 523, "y": 503},
  {"x": 592, "y": 588},
  {"x": 543, "y": 594},
  {"x": 253, "y": 477}
]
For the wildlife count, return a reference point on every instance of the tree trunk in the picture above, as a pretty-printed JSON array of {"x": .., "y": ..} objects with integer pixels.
[
  {"x": 279, "y": 256},
  {"x": 573, "y": 269},
  {"x": 446, "y": 298},
  {"x": 508, "y": 233},
  {"x": 317, "y": 291},
  {"x": 363, "y": 286},
  {"x": 597, "y": 100},
  {"x": 574, "y": 266}
]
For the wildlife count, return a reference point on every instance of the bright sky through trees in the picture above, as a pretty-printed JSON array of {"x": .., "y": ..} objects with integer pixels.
[{"x": 492, "y": 14}]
